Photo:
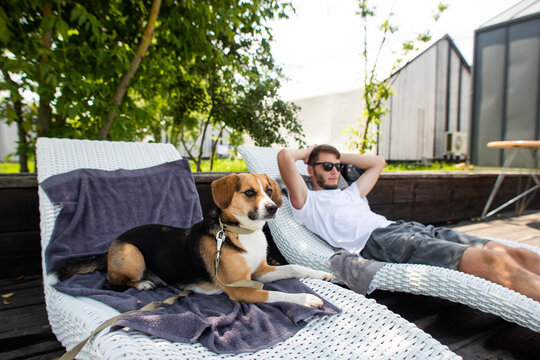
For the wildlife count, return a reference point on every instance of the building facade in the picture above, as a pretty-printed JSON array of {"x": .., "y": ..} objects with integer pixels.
[{"x": 506, "y": 81}]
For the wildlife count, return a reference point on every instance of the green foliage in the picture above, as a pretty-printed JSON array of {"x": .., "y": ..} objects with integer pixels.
[
  {"x": 436, "y": 166},
  {"x": 221, "y": 165},
  {"x": 230, "y": 84},
  {"x": 376, "y": 92},
  {"x": 209, "y": 66}
]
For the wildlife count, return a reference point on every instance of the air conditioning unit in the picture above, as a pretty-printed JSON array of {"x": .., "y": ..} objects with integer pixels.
[{"x": 456, "y": 143}]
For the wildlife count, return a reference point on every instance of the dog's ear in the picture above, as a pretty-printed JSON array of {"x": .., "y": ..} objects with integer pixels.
[
  {"x": 223, "y": 190},
  {"x": 276, "y": 191}
]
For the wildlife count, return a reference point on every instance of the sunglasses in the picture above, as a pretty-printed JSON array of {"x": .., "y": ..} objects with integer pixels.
[{"x": 328, "y": 166}]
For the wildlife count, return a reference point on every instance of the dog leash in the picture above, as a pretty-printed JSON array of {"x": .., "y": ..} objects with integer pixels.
[
  {"x": 70, "y": 355},
  {"x": 220, "y": 238}
]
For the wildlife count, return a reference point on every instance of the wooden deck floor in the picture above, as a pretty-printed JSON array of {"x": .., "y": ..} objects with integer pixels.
[{"x": 26, "y": 334}]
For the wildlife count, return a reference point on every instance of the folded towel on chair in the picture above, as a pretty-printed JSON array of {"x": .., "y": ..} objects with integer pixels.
[
  {"x": 221, "y": 325},
  {"x": 99, "y": 205}
]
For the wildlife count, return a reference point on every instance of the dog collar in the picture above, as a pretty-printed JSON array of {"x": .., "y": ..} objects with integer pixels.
[{"x": 234, "y": 229}]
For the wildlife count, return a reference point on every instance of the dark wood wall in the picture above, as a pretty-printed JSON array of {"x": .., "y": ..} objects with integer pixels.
[
  {"x": 19, "y": 226},
  {"x": 441, "y": 197},
  {"x": 421, "y": 196}
]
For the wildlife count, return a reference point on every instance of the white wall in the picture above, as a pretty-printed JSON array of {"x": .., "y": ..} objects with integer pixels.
[
  {"x": 324, "y": 118},
  {"x": 8, "y": 140}
]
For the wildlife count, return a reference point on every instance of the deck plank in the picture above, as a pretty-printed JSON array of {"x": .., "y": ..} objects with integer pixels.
[
  {"x": 46, "y": 349},
  {"x": 524, "y": 229},
  {"x": 22, "y": 322},
  {"x": 25, "y": 332}
]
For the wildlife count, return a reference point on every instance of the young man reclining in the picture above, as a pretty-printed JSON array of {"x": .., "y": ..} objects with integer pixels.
[{"x": 343, "y": 219}]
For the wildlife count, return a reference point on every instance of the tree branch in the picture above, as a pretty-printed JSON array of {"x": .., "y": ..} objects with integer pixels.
[
  {"x": 139, "y": 54},
  {"x": 44, "y": 110}
]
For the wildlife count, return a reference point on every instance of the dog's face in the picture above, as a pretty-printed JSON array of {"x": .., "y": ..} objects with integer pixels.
[{"x": 250, "y": 198}]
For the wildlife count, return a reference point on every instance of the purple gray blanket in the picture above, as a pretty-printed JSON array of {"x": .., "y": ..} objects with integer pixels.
[
  {"x": 97, "y": 206},
  {"x": 221, "y": 325}
]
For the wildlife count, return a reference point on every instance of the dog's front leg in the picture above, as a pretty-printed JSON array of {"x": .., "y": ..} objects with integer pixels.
[
  {"x": 254, "y": 296},
  {"x": 267, "y": 273}
]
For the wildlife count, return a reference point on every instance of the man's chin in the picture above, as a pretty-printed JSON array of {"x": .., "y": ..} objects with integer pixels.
[{"x": 329, "y": 186}]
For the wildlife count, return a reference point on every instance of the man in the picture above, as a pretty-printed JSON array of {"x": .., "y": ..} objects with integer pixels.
[{"x": 343, "y": 218}]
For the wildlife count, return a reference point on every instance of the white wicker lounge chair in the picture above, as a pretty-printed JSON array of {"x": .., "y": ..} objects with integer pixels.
[
  {"x": 300, "y": 246},
  {"x": 364, "y": 329}
]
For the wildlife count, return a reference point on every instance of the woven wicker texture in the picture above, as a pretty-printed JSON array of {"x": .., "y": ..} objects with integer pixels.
[
  {"x": 365, "y": 329},
  {"x": 300, "y": 246}
]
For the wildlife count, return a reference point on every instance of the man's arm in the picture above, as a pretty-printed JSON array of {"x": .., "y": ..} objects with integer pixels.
[
  {"x": 291, "y": 177},
  {"x": 373, "y": 166}
]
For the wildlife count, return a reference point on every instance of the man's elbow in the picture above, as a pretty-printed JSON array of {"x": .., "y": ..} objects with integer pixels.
[{"x": 283, "y": 155}]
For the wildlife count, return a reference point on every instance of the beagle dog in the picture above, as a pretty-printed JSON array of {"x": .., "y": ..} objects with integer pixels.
[{"x": 222, "y": 253}]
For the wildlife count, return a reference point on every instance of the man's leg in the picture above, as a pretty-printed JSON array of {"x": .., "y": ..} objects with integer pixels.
[
  {"x": 501, "y": 268},
  {"x": 465, "y": 252},
  {"x": 526, "y": 258}
]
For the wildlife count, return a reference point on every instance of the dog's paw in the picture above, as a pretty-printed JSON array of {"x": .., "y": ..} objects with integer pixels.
[
  {"x": 145, "y": 285},
  {"x": 323, "y": 275},
  {"x": 312, "y": 301}
]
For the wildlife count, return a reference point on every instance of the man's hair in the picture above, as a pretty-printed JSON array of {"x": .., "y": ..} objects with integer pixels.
[{"x": 314, "y": 156}]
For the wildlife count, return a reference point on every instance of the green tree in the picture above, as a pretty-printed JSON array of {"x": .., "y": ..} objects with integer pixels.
[
  {"x": 376, "y": 91},
  {"x": 72, "y": 55},
  {"x": 116, "y": 69},
  {"x": 230, "y": 81}
]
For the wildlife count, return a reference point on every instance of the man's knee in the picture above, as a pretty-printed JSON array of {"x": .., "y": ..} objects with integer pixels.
[
  {"x": 518, "y": 253},
  {"x": 497, "y": 246},
  {"x": 482, "y": 262}
]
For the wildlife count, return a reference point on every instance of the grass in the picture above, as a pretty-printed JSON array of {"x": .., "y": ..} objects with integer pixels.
[
  {"x": 11, "y": 167},
  {"x": 238, "y": 165},
  {"x": 436, "y": 166},
  {"x": 221, "y": 165}
]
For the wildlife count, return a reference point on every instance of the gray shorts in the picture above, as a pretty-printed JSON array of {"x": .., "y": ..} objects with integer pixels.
[{"x": 414, "y": 243}]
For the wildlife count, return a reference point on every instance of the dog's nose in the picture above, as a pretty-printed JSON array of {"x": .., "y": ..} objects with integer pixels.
[{"x": 271, "y": 209}]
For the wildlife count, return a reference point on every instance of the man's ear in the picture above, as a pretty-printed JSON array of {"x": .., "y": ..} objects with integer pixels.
[
  {"x": 310, "y": 170},
  {"x": 276, "y": 191},
  {"x": 223, "y": 190}
]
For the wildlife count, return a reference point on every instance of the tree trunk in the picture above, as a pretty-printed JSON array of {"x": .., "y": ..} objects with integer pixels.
[
  {"x": 23, "y": 143},
  {"x": 44, "y": 109},
  {"x": 23, "y": 135},
  {"x": 214, "y": 147},
  {"x": 203, "y": 136},
  {"x": 364, "y": 138},
  {"x": 188, "y": 150},
  {"x": 139, "y": 54}
]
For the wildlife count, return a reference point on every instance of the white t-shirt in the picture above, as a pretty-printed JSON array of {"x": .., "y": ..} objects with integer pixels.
[{"x": 341, "y": 217}]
